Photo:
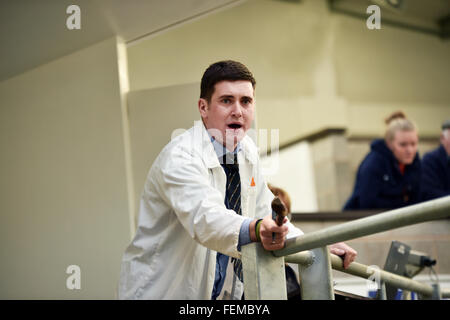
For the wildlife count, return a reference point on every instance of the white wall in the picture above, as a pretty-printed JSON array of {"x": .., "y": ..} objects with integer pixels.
[
  {"x": 63, "y": 187},
  {"x": 154, "y": 115},
  {"x": 292, "y": 170}
]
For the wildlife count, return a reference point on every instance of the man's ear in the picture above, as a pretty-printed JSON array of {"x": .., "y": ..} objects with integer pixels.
[{"x": 202, "y": 107}]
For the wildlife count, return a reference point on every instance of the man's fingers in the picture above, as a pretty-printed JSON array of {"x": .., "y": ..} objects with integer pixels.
[
  {"x": 347, "y": 253},
  {"x": 277, "y": 239},
  {"x": 350, "y": 256},
  {"x": 277, "y": 235},
  {"x": 273, "y": 236},
  {"x": 268, "y": 230},
  {"x": 276, "y": 245},
  {"x": 337, "y": 251}
]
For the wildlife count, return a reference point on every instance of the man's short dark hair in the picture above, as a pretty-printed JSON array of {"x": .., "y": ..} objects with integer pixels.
[{"x": 227, "y": 70}]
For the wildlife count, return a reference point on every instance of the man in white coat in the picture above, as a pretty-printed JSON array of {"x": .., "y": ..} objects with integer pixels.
[{"x": 186, "y": 233}]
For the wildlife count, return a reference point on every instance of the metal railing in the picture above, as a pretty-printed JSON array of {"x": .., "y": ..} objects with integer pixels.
[
  {"x": 265, "y": 270},
  {"x": 306, "y": 258}
]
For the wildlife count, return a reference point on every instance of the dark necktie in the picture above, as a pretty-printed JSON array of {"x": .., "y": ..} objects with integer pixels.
[{"x": 233, "y": 197}]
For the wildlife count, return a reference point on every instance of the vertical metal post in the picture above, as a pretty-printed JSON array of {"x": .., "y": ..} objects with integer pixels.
[
  {"x": 264, "y": 274},
  {"x": 436, "y": 292},
  {"x": 381, "y": 294},
  {"x": 316, "y": 281}
]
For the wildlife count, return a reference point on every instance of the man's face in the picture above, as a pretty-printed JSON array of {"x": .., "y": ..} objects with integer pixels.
[
  {"x": 230, "y": 113},
  {"x": 445, "y": 140}
]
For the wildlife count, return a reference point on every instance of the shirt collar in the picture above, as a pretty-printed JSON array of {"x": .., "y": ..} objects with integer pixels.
[{"x": 220, "y": 148}]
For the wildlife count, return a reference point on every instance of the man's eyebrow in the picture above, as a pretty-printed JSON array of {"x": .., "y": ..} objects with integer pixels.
[
  {"x": 226, "y": 96},
  {"x": 230, "y": 96}
]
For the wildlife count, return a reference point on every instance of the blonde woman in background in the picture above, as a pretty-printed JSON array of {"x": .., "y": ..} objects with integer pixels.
[{"x": 389, "y": 176}]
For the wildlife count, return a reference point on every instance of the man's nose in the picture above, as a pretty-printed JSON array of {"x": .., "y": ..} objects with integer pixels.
[{"x": 237, "y": 109}]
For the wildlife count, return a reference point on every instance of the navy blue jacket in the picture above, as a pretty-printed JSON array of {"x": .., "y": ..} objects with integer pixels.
[
  {"x": 436, "y": 174},
  {"x": 380, "y": 184}
]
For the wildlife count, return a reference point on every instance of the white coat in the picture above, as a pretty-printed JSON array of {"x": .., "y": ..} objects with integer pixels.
[{"x": 183, "y": 221}]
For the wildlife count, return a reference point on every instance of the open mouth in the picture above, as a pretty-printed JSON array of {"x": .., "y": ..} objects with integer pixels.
[{"x": 235, "y": 126}]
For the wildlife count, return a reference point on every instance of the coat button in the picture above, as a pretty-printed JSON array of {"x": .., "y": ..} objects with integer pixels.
[{"x": 386, "y": 177}]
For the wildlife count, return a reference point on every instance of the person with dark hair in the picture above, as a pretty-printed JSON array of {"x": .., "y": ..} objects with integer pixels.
[
  {"x": 223, "y": 71},
  {"x": 195, "y": 208},
  {"x": 436, "y": 168},
  {"x": 389, "y": 176}
]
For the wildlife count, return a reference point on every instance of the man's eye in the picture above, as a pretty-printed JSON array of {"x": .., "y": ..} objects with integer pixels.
[{"x": 226, "y": 100}]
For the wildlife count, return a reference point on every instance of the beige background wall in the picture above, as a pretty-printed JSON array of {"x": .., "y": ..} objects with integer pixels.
[
  {"x": 154, "y": 115},
  {"x": 297, "y": 180},
  {"x": 63, "y": 185}
]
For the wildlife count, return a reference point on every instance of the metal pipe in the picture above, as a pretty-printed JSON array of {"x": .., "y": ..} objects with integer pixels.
[
  {"x": 361, "y": 270},
  {"x": 382, "y": 291},
  {"x": 422, "y": 212},
  {"x": 304, "y": 258}
]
